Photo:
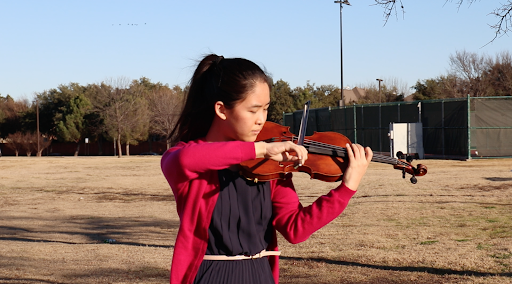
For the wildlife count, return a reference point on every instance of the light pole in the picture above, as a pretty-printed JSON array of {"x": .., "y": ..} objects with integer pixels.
[
  {"x": 37, "y": 122},
  {"x": 380, "y": 80},
  {"x": 341, "y": 47}
]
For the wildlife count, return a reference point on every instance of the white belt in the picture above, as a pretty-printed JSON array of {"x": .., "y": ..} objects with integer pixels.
[{"x": 241, "y": 257}]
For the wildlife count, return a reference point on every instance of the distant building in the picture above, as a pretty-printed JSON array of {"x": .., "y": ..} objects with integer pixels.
[
  {"x": 353, "y": 95},
  {"x": 409, "y": 98},
  {"x": 356, "y": 94}
]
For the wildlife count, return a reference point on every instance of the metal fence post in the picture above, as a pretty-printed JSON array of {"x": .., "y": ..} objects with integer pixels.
[{"x": 469, "y": 127}]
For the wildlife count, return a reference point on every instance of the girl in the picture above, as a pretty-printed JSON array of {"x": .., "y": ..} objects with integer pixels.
[{"x": 228, "y": 224}]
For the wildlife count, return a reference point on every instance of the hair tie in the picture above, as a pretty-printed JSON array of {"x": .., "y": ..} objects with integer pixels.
[
  {"x": 218, "y": 69},
  {"x": 219, "y": 58}
]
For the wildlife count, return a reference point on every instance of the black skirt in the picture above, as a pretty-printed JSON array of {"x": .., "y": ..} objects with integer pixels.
[{"x": 241, "y": 225}]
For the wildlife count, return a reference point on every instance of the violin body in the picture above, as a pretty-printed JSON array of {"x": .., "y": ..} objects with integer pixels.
[
  {"x": 322, "y": 167},
  {"x": 326, "y": 157}
]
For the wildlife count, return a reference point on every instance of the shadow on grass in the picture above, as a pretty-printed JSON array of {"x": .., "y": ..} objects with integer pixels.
[
  {"x": 369, "y": 197},
  {"x": 74, "y": 243},
  {"x": 143, "y": 274},
  {"x": 498, "y": 179},
  {"x": 429, "y": 270},
  {"x": 93, "y": 230},
  {"x": 7, "y": 280},
  {"x": 117, "y": 195}
]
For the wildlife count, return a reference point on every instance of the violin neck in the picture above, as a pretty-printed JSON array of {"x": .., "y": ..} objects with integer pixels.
[
  {"x": 342, "y": 153},
  {"x": 334, "y": 152},
  {"x": 384, "y": 159}
]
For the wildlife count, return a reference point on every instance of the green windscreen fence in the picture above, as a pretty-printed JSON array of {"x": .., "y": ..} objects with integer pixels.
[
  {"x": 463, "y": 127},
  {"x": 491, "y": 127}
]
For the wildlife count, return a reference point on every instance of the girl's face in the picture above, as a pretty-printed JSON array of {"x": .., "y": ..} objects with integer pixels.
[{"x": 245, "y": 120}]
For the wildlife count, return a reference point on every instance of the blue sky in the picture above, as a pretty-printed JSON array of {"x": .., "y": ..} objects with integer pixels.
[{"x": 47, "y": 43}]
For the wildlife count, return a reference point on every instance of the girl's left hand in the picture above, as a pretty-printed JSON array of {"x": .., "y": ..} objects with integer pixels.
[{"x": 358, "y": 160}]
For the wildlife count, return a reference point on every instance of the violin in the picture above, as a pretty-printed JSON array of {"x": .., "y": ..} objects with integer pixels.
[{"x": 327, "y": 157}]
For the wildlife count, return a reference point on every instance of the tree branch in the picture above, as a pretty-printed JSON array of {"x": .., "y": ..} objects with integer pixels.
[
  {"x": 504, "y": 24},
  {"x": 389, "y": 8},
  {"x": 503, "y": 13}
]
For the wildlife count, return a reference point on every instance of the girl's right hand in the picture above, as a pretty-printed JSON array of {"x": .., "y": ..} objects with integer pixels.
[{"x": 282, "y": 152}]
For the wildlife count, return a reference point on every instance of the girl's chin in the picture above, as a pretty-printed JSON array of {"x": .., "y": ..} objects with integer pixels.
[{"x": 250, "y": 138}]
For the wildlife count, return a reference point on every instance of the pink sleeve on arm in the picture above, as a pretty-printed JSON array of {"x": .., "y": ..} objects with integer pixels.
[
  {"x": 297, "y": 223},
  {"x": 186, "y": 161}
]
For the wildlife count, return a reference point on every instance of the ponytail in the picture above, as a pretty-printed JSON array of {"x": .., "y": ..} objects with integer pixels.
[{"x": 215, "y": 79}]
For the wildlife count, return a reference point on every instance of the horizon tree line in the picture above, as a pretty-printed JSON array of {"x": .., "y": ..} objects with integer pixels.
[{"x": 127, "y": 112}]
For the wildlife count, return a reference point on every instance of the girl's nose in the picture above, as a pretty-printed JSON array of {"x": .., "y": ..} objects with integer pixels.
[{"x": 261, "y": 118}]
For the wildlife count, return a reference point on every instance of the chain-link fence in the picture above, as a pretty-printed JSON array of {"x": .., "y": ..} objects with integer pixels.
[{"x": 452, "y": 128}]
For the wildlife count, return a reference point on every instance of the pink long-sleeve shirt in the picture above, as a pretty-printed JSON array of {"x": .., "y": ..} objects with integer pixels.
[{"x": 191, "y": 170}]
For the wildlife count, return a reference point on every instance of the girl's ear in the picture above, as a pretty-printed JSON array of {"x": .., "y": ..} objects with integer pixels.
[{"x": 220, "y": 110}]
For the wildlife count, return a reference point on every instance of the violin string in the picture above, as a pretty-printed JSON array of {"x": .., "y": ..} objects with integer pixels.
[{"x": 328, "y": 147}]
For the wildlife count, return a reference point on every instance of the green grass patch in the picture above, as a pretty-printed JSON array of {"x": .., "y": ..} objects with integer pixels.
[
  {"x": 502, "y": 255},
  {"x": 501, "y": 232},
  {"x": 483, "y": 246},
  {"x": 428, "y": 242}
]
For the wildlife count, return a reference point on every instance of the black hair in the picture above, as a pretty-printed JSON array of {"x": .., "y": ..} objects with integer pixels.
[{"x": 216, "y": 78}]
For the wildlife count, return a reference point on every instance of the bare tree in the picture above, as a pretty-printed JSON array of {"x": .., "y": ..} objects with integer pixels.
[
  {"x": 451, "y": 87},
  {"x": 469, "y": 66},
  {"x": 497, "y": 76},
  {"x": 28, "y": 144},
  {"x": 136, "y": 123},
  {"x": 124, "y": 112},
  {"x": 165, "y": 105},
  {"x": 14, "y": 141},
  {"x": 44, "y": 142},
  {"x": 503, "y": 13},
  {"x": 398, "y": 86},
  {"x": 471, "y": 74},
  {"x": 392, "y": 89}
]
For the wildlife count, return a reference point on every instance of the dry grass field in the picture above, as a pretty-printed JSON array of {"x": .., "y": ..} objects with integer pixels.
[{"x": 57, "y": 215}]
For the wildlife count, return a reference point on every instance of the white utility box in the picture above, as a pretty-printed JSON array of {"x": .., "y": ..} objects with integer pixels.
[{"x": 406, "y": 138}]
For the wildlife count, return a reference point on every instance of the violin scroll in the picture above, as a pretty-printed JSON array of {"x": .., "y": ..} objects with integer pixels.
[{"x": 406, "y": 167}]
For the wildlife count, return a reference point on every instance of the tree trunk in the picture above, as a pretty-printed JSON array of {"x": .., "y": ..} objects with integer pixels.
[
  {"x": 127, "y": 149},
  {"x": 100, "y": 146},
  {"x": 119, "y": 150},
  {"x": 77, "y": 149}
]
